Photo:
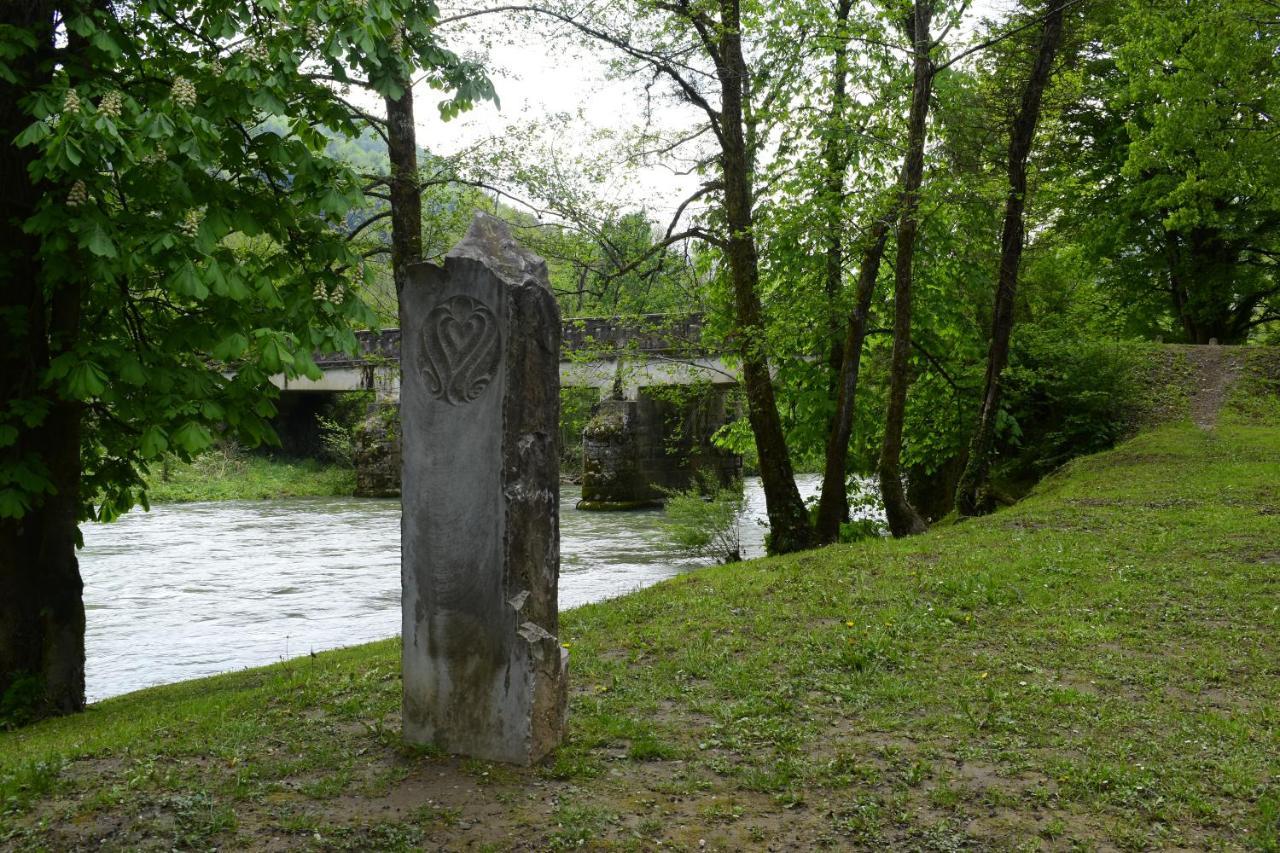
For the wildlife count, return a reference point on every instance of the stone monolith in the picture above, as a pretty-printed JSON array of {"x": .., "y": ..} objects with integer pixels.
[{"x": 484, "y": 671}]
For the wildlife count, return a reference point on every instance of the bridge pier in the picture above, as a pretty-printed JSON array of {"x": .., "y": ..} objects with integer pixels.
[
  {"x": 635, "y": 451},
  {"x": 667, "y": 395},
  {"x": 377, "y": 456}
]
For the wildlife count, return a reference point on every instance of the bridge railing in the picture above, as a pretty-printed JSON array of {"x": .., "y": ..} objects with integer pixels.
[{"x": 654, "y": 334}]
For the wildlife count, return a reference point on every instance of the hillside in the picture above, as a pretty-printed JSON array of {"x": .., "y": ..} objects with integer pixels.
[{"x": 1097, "y": 667}]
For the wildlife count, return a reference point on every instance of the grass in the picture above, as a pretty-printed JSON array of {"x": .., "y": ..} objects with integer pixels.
[
  {"x": 1097, "y": 667},
  {"x": 227, "y": 475}
]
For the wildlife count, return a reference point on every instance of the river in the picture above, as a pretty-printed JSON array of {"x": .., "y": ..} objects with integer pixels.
[{"x": 188, "y": 590}]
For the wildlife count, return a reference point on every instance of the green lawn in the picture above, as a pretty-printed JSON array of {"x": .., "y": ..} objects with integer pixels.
[{"x": 1095, "y": 668}]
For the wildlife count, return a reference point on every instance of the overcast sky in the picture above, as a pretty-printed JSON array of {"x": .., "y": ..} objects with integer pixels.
[{"x": 534, "y": 80}]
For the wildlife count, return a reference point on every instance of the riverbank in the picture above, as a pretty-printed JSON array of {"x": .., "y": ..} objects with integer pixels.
[
  {"x": 222, "y": 475},
  {"x": 1096, "y": 667}
]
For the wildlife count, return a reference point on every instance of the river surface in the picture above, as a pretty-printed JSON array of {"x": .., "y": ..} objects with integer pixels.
[{"x": 187, "y": 590}]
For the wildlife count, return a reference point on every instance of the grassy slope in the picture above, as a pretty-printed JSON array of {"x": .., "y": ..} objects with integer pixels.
[
  {"x": 1096, "y": 667},
  {"x": 218, "y": 476}
]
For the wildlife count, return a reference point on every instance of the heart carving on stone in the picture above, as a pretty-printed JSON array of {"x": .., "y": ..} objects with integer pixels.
[{"x": 461, "y": 348}]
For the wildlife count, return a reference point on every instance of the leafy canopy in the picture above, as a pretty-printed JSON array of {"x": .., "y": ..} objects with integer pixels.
[{"x": 189, "y": 205}]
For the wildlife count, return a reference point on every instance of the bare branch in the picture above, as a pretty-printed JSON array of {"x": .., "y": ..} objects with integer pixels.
[{"x": 355, "y": 232}]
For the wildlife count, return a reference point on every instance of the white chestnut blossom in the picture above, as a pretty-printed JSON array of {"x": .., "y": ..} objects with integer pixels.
[
  {"x": 190, "y": 224},
  {"x": 183, "y": 93},
  {"x": 78, "y": 194},
  {"x": 111, "y": 104}
]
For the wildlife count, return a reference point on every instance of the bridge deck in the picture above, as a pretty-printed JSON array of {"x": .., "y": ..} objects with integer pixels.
[{"x": 656, "y": 349}]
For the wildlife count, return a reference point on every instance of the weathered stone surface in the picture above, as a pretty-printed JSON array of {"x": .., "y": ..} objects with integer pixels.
[
  {"x": 377, "y": 452},
  {"x": 484, "y": 672},
  {"x": 635, "y": 451}
]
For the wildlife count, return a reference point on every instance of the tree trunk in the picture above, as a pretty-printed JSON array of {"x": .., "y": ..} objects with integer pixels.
[
  {"x": 1202, "y": 264},
  {"x": 835, "y": 161},
  {"x": 406, "y": 191},
  {"x": 788, "y": 521},
  {"x": 833, "y": 506},
  {"x": 41, "y": 610},
  {"x": 971, "y": 497},
  {"x": 902, "y": 517}
]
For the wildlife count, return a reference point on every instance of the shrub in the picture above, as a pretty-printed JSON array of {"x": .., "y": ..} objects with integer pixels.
[
  {"x": 702, "y": 521},
  {"x": 1065, "y": 397}
]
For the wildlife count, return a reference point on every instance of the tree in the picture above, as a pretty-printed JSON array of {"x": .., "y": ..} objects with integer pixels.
[
  {"x": 1172, "y": 184},
  {"x": 902, "y": 517},
  {"x": 699, "y": 50},
  {"x": 161, "y": 233},
  {"x": 970, "y": 494}
]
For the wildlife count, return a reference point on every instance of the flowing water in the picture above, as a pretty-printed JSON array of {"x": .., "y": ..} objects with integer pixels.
[{"x": 194, "y": 589}]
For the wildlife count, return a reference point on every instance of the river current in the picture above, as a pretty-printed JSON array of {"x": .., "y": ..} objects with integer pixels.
[{"x": 187, "y": 590}]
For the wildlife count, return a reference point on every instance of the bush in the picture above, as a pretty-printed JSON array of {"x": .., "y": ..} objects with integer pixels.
[
  {"x": 19, "y": 704},
  {"x": 338, "y": 441},
  {"x": 1065, "y": 397},
  {"x": 702, "y": 521}
]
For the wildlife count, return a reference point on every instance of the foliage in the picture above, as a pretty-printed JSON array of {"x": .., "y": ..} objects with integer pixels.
[
  {"x": 226, "y": 472},
  {"x": 865, "y": 511},
  {"x": 338, "y": 429},
  {"x": 1170, "y": 180},
  {"x": 192, "y": 204},
  {"x": 338, "y": 441},
  {"x": 19, "y": 702},
  {"x": 575, "y": 412},
  {"x": 702, "y": 521},
  {"x": 1065, "y": 399}
]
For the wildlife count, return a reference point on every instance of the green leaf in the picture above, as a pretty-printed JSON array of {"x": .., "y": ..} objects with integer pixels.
[
  {"x": 100, "y": 243},
  {"x": 231, "y": 347},
  {"x": 36, "y": 132},
  {"x": 13, "y": 503},
  {"x": 191, "y": 437},
  {"x": 72, "y": 151},
  {"x": 187, "y": 282},
  {"x": 86, "y": 380},
  {"x": 131, "y": 370},
  {"x": 266, "y": 100},
  {"x": 103, "y": 41},
  {"x": 153, "y": 442}
]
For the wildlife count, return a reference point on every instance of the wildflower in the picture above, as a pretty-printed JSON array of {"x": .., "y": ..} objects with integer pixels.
[
  {"x": 183, "y": 92},
  {"x": 111, "y": 104},
  {"x": 984, "y": 675},
  {"x": 71, "y": 103},
  {"x": 848, "y": 624},
  {"x": 78, "y": 194}
]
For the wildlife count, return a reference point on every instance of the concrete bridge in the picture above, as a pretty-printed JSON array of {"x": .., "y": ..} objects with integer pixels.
[
  {"x": 607, "y": 354},
  {"x": 638, "y": 442}
]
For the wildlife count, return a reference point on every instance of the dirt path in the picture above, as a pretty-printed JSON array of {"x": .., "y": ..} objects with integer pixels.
[{"x": 1216, "y": 369}]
